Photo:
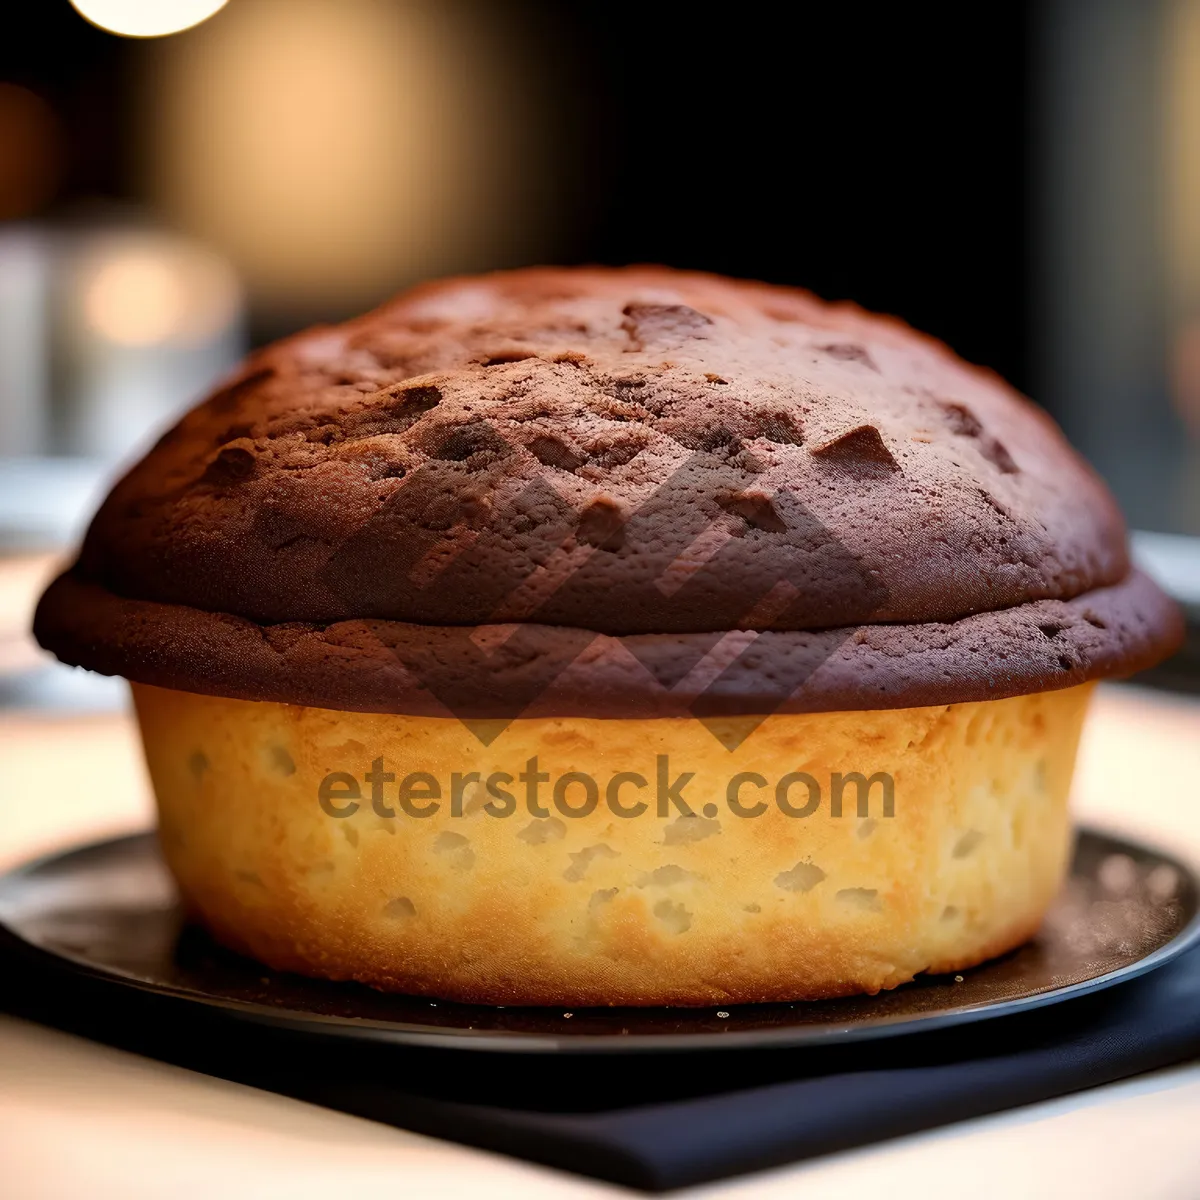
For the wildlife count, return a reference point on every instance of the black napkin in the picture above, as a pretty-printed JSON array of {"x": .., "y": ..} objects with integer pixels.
[{"x": 651, "y": 1121}]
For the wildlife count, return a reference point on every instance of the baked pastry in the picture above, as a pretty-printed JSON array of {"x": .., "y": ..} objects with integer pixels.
[{"x": 606, "y": 636}]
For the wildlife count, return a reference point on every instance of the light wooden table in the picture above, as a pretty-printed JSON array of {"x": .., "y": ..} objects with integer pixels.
[{"x": 79, "y": 1120}]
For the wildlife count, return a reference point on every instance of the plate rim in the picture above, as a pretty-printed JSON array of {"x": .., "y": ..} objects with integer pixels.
[{"x": 522, "y": 1042}]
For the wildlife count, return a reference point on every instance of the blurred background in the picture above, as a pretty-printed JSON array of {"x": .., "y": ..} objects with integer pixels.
[{"x": 183, "y": 179}]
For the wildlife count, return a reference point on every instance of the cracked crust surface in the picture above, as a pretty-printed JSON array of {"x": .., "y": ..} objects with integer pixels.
[{"x": 630, "y": 453}]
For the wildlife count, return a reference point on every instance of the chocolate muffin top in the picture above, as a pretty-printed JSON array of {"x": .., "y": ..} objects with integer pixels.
[{"x": 634, "y": 453}]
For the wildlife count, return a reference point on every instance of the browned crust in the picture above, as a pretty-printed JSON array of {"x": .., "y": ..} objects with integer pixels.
[
  {"x": 492, "y": 424},
  {"x": 341, "y": 524},
  {"x": 548, "y": 670},
  {"x": 794, "y": 985}
]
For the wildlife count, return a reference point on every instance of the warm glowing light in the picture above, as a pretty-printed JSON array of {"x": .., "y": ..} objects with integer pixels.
[
  {"x": 135, "y": 300},
  {"x": 147, "y": 18},
  {"x": 148, "y": 290},
  {"x": 335, "y": 151}
]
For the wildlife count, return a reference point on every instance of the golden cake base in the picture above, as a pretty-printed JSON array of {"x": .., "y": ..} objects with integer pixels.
[{"x": 766, "y": 893}]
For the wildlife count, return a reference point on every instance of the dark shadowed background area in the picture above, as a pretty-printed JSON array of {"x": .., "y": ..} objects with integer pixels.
[{"x": 884, "y": 158}]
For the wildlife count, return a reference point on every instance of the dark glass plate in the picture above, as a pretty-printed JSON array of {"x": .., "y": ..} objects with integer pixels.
[{"x": 109, "y": 910}]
